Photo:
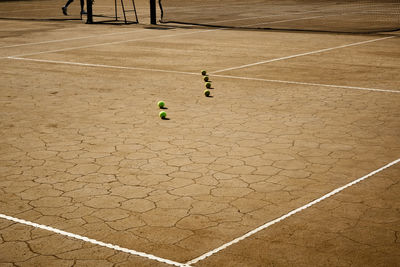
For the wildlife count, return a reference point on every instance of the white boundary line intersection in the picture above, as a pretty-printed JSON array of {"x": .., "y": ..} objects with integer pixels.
[{"x": 212, "y": 252}]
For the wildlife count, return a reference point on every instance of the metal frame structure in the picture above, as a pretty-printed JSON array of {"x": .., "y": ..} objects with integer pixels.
[{"x": 90, "y": 15}]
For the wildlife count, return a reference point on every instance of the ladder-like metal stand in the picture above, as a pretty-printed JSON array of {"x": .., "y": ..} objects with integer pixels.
[
  {"x": 124, "y": 11},
  {"x": 114, "y": 18}
]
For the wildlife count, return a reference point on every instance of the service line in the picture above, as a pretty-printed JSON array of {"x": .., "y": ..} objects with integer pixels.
[
  {"x": 303, "y": 54},
  {"x": 293, "y": 212},
  {"x": 101, "y": 65},
  {"x": 193, "y": 73},
  {"x": 72, "y": 39},
  {"x": 93, "y": 241},
  {"x": 25, "y": 10},
  {"x": 309, "y": 84},
  {"x": 112, "y": 43}
]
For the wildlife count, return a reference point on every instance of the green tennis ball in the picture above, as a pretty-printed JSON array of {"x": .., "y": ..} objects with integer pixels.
[
  {"x": 203, "y": 72},
  {"x": 163, "y": 114},
  {"x": 207, "y": 93},
  {"x": 206, "y": 79},
  {"x": 161, "y": 104},
  {"x": 208, "y": 85}
]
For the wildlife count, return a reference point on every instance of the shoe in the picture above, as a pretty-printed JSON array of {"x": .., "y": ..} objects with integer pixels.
[
  {"x": 83, "y": 12},
  {"x": 64, "y": 10}
]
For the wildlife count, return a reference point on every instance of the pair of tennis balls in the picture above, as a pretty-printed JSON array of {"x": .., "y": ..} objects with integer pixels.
[
  {"x": 208, "y": 84},
  {"x": 162, "y": 114}
]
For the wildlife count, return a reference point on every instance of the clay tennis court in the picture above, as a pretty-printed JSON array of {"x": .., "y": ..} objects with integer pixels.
[{"x": 294, "y": 160}]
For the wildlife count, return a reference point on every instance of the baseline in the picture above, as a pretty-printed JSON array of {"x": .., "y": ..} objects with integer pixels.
[
  {"x": 93, "y": 241},
  {"x": 192, "y": 73},
  {"x": 293, "y": 212}
]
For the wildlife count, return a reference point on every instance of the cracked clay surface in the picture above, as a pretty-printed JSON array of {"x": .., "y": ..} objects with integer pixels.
[{"x": 83, "y": 150}]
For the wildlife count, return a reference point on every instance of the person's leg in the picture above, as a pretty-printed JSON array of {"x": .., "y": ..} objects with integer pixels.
[
  {"x": 68, "y": 3},
  {"x": 83, "y": 7},
  {"x": 64, "y": 8}
]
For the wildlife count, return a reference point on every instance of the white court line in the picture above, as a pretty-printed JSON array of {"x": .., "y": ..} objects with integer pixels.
[
  {"x": 293, "y": 212},
  {"x": 71, "y": 39},
  {"x": 111, "y": 43},
  {"x": 302, "y": 54},
  {"x": 286, "y": 20},
  {"x": 93, "y": 241},
  {"x": 202, "y": 7},
  {"x": 101, "y": 65},
  {"x": 27, "y": 10},
  {"x": 268, "y": 16},
  {"x": 193, "y": 73},
  {"x": 310, "y": 84}
]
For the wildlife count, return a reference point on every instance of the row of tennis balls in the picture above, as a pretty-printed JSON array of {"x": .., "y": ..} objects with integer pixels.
[
  {"x": 208, "y": 84},
  {"x": 161, "y": 104}
]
